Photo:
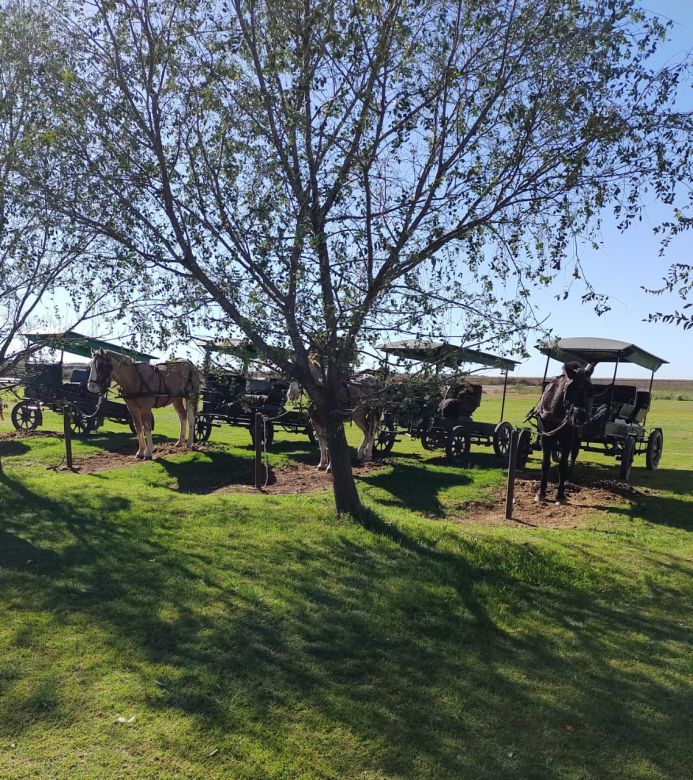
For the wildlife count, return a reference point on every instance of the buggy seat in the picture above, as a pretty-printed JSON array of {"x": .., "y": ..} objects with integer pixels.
[
  {"x": 465, "y": 402},
  {"x": 636, "y": 412},
  {"x": 623, "y": 395}
]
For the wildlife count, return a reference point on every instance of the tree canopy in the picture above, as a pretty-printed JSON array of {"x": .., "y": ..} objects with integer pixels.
[{"x": 311, "y": 173}]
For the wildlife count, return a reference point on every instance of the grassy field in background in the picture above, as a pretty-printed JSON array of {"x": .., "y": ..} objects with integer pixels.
[{"x": 259, "y": 636}]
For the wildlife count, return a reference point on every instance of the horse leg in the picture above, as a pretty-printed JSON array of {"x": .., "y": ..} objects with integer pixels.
[
  {"x": 147, "y": 418},
  {"x": 177, "y": 404},
  {"x": 545, "y": 465},
  {"x": 191, "y": 412},
  {"x": 574, "y": 449},
  {"x": 136, "y": 414},
  {"x": 563, "y": 466}
]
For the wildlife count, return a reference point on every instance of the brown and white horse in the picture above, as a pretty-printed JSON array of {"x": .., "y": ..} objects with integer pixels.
[
  {"x": 359, "y": 399},
  {"x": 145, "y": 387}
]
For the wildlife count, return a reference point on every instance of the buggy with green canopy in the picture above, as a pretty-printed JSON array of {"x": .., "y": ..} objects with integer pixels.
[
  {"x": 444, "y": 420},
  {"x": 44, "y": 387},
  {"x": 620, "y": 430}
]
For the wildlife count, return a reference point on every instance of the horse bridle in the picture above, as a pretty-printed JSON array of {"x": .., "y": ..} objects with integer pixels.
[{"x": 103, "y": 378}]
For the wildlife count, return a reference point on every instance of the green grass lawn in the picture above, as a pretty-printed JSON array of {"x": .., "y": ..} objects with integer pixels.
[{"x": 259, "y": 636}]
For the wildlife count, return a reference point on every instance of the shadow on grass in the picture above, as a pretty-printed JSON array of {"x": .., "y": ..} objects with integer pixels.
[
  {"x": 415, "y": 486},
  {"x": 216, "y": 469},
  {"x": 11, "y": 447},
  {"x": 380, "y": 651}
]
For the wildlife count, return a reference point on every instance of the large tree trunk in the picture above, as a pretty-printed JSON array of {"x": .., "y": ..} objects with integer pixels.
[{"x": 346, "y": 496}]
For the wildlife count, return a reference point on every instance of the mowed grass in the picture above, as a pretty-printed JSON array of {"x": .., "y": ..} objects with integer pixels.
[{"x": 259, "y": 636}]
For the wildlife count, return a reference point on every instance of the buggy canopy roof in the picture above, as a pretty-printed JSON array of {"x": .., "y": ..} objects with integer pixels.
[
  {"x": 443, "y": 354},
  {"x": 595, "y": 350},
  {"x": 77, "y": 344},
  {"x": 240, "y": 348}
]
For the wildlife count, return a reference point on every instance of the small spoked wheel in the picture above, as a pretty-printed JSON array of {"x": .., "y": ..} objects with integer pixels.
[
  {"x": 457, "y": 446},
  {"x": 80, "y": 424},
  {"x": 384, "y": 440},
  {"x": 311, "y": 434},
  {"x": 501, "y": 439},
  {"x": 429, "y": 441},
  {"x": 627, "y": 454},
  {"x": 203, "y": 429},
  {"x": 26, "y": 416},
  {"x": 655, "y": 446}
]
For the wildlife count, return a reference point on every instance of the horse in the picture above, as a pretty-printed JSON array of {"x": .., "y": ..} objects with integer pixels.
[
  {"x": 357, "y": 395},
  {"x": 564, "y": 407},
  {"x": 145, "y": 387}
]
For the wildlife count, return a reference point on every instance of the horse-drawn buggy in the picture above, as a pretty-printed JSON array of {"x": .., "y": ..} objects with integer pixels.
[
  {"x": 615, "y": 423},
  {"x": 440, "y": 411},
  {"x": 43, "y": 386},
  {"x": 235, "y": 396}
]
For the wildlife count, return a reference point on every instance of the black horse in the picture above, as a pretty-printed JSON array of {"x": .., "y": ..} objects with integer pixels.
[{"x": 565, "y": 406}]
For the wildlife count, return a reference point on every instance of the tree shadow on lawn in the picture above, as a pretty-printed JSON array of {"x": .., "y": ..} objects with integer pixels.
[
  {"x": 415, "y": 486},
  {"x": 370, "y": 648},
  {"x": 209, "y": 471},
  {"x": 10, "y": 448}
]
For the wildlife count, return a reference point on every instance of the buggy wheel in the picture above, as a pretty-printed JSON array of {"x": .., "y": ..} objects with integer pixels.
[
  {"x": 80, "y": 424},
  {"x": 429, "y": 441},
  {"x": 311, "y": 434},
  {"x": 655, "y": 445},
  {"x": 269, "y": 433},
  {"x": 203, "y": 429},
  {"x": 26, "y": 416},
  {"x": 524, "y": 447},
  {"x": 501, "y": 439},
  {"x": 627, "y": 454},
  {"x": 457, "y": 446},
  {"x": 384, "y": 440}
]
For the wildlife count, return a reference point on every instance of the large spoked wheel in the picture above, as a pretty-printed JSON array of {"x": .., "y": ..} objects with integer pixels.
[
  {"x": 627, "y": 455},
  {"x": 501, "y": 439},
  {"x": 80, "y": 424},
  {"x": 384, "y": 440},
  {"x": 655, "y": 446},
  {"x": 457, "y": 446},
  {"x": 268, "y": 429},
  {"x": 203, "y": 429},
  {"x": 26, "y": 416}
]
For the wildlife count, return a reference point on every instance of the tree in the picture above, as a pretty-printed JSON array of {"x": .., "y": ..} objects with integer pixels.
[
  {"x": 312, "y": 172},
  {"x": 44, "y": 258}
]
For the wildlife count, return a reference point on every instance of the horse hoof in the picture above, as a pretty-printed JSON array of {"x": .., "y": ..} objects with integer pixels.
[
  {"x": 561, "y": 501},
  {"x": 539, "y": 497},
  {"x": 139, "y": 456},
  {"x": 148, "y": 457}
]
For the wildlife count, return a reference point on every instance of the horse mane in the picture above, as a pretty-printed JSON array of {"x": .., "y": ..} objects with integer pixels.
[{"x": 119, "y": 357}]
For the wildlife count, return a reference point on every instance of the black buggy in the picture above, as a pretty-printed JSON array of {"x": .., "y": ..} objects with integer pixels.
[
  {"x": 44, "y": 388},
  {"x": 234, "y": 396},
  {"x": 620, "y": 430},
  {"x": 443, "y": 418}
]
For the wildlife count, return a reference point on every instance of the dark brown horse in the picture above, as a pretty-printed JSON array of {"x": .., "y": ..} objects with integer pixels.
[{"x": 565, "y": 406}]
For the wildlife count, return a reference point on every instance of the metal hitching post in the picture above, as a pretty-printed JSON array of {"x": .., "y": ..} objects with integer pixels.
[
  {"x": 67, "y": 419},
  {"x": 512, "y": 462},
  {"x": 259, "y": 433}
]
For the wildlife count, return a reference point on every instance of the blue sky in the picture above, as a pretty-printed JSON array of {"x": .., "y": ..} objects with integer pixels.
[{"x": 631, "y": 259}]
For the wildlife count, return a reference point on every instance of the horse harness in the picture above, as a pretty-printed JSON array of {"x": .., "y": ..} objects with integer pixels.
[
  {"x": 146, "y": 389},
  {"x": 162, "y": 389}
]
